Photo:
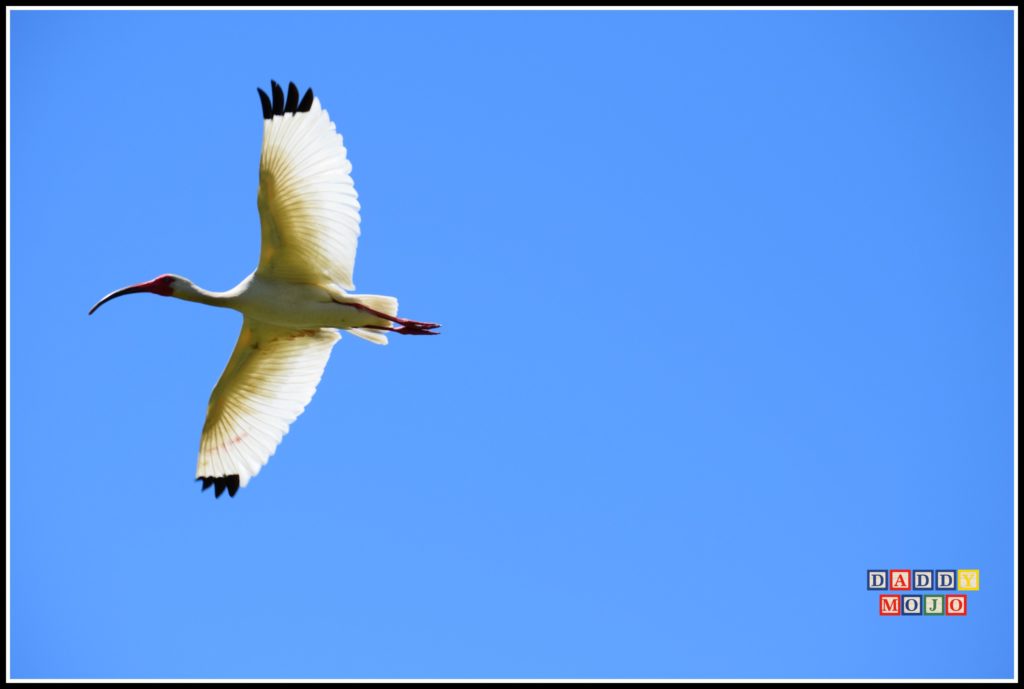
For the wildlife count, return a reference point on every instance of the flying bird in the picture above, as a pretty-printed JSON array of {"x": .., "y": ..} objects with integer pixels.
[{"x": 296, "y": 300}]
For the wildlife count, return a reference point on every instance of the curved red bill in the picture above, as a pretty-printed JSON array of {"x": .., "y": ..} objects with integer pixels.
[{"x": 153, "y": 286}]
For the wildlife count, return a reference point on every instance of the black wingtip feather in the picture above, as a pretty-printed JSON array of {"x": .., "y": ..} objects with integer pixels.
[
  {"x": 293, "y": 98},
  {"x": 222, "y": 483},
  {"x": 268, "y": 109},
  {"x": 278, "y": 105},
  {"x": 278, "y": 98}
]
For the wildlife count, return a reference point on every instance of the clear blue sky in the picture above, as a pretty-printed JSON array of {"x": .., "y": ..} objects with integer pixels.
[{"x": 728, "y": 319}]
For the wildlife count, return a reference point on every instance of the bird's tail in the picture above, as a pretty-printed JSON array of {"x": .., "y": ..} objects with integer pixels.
[{"x": 388, "y": 305}]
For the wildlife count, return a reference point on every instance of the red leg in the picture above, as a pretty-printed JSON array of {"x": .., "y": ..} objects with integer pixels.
[
  {"x": 404, "y": 330},
  {"x": 408, "y": 327}
]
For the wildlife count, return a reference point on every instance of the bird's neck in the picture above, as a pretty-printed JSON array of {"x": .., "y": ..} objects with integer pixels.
[{"x": 192, "y": 292}]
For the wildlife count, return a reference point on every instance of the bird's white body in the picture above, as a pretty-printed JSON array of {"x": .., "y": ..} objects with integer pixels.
[
  {"x": 289, "y": 304},
  {"x": 295, "y": 301}
]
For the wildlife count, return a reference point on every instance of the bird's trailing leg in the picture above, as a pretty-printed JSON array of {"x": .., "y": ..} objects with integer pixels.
[
  {"x": 406, "y": 326},
  {"x": 407, "y": 329}
]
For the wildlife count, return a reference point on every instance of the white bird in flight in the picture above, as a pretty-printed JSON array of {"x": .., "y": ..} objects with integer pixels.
[{"x": 296, "y": 300}]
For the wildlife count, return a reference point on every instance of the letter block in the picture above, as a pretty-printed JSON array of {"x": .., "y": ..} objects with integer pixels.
[
  {"x": 888, "y": 604},
  {"x": 945, "y": 579},
  {"x": 956, "y": 604},
  {"x": 911, "y": 605},
  {"x": 924, "y": 580},
  {"x": 899, "y": 579},
  {"x": 968, "y": 580},
  {"x": 935, "y": 605},
  {"x": 878, "y": 579}
]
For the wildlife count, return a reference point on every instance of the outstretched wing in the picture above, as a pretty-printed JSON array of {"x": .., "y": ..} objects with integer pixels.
[
  {"x": 308, "y": 205},
  {"x": 269, "y": 380}
]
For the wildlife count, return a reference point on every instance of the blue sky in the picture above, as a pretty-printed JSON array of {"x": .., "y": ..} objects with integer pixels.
[{"x": 728, "y": 320}]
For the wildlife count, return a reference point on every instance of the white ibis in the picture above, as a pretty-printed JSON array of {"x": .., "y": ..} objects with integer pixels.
[{"x": 296, "y": 300}]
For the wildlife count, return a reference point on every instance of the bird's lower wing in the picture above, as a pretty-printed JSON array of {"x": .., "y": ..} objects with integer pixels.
[{"x": 269, "y": 380}]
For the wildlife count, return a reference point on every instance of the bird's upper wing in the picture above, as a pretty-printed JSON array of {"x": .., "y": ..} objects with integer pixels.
[
  {"x": 308, "y": 205},
  {"x": 269, "y": 380}
]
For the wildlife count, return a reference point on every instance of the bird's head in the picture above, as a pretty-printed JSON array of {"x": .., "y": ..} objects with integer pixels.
[{"x": 165, "y": 286}]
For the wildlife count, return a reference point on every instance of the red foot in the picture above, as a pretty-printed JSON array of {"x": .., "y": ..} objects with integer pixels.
[
  {"x": 415, "y": 328},
  {"x": 410, "y": 327},
  {"x": 407, "y": 329}
]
